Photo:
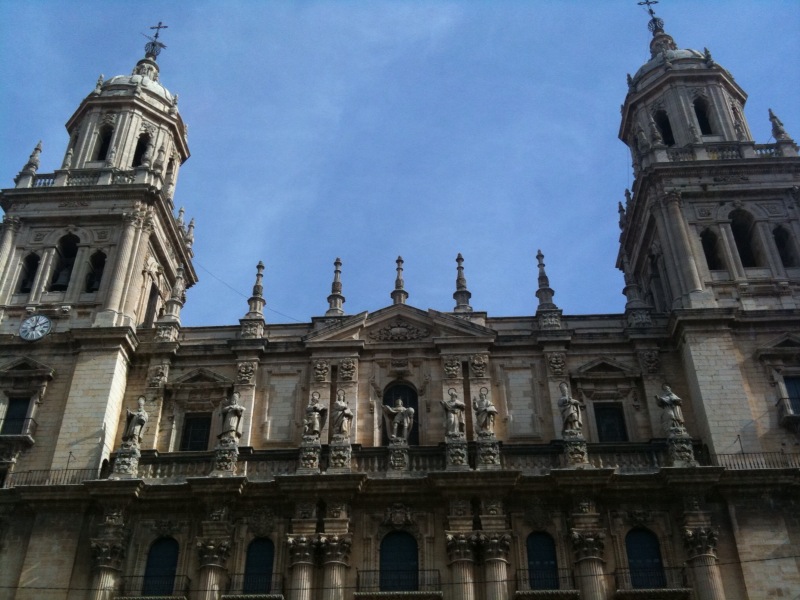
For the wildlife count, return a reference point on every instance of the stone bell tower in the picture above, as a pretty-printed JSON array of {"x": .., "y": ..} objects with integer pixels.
[
  {"x": 93, "y": 255},
  {"x": 96, "y": 242},
  {"x": 710, "y": 231},
  {"x": 711, "y": 221}
]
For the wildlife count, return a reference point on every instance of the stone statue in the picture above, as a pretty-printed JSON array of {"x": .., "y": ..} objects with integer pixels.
[
  {"x": 672, "y": 417},
  {"x": 399, "y": 420},
  {"x": 316, "y": 416},
  {"x": 135, "y": 420},
  {"x": 453, "y": 414},
  {"x": 570, "y": 411},
  {"x": 485, "y": 412},
  {"x": 341, "y": 416},
  {"x": 232, "y": 413}
]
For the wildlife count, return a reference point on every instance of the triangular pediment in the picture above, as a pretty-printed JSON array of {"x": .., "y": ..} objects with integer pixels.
[
  {"x": 605, "y": 367},
  {"x": 786, "y": 344},
  {"x": 399, "y": 323},
  {"x": 201, "y": 377},
  {"x": 24, "y": 367}
]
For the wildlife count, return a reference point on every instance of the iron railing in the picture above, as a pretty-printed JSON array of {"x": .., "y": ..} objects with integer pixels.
[
  {"x": 255, "y": 583},
  {"x": 50, "y": 477},
  {"x": 651, "y": 578},
  {"x": 175, "y": 586},
  {"x": 18, "y": 427},
  {"x": 758, "y": 460},
  {"x": 545, "y": 579},
  {"x": 399, "y": 581}
]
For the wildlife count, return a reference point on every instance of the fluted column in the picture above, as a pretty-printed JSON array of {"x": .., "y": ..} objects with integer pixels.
[
  {"x": 134, "y": 275},
  {"x": 8, "y": 232},
  {"x": 701, "y": 548},
  {"x": 107, "y": 558},
  {"x": 588, "y": 546},
  {"x": 461, "y": 553},
  {"x": 301, "y": 560},
  {"x": 335, "y": 556},
  {"x": 121, "y": 259},
  {"x": 212, "y": 554},
  {"x": 495, "y": 546},
  {"x": 686, "y": 260}
]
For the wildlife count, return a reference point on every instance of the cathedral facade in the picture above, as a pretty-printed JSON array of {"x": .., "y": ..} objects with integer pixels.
[{"x": 405, "y": 453}]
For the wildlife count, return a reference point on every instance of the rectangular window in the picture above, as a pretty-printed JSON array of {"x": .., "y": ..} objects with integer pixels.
[
  {"x": 610, "y": 420},
  {"x": 793, "y": 392},
  {"x": 196, "y": 431},
  {"x": 14, "y": 420}
]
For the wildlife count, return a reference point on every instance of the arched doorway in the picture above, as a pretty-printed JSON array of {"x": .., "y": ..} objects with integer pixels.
[{"x": 399, "y": 562}]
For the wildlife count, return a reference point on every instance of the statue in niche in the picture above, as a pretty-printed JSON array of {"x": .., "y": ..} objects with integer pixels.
[
  {"x": 485, "y": 413},
  {"x": 232, "y": 413},
  {"x": 672, "y": 417},
  {"x": 135, "y": 420},
  {"x": 399, "y": 420},
  {"x": 341, "y": 416},
  {"x": 454, "y": 414},
  {"x": 570, "y": 412},
  {"x": 316, "y": 416}
]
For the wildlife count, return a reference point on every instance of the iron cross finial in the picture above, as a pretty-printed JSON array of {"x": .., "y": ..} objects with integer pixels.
[{"x": 161, "y": 26}]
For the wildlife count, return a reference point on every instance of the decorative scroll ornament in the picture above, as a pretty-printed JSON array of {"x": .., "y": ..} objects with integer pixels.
[
  {"x": 461, "y": 546},
  {"x": 245, "y": 371},
  {"x": 347, "y": 369},
  {"x": 321, "y": 369},
  {"x": 262, "y": 522},
  {"x": 478, "y": 364},
  {"x": 650, "y": 360},
  {"x": 588, "y": 543},
  {"x": 399, "y": 330},
  {"x": 398, "y": 515},
  {"x": 700, "y": 540},
  {"x": 301, "y": 549},
  {"x": 556, "y": 361},
  {"x": 213, "y": 552},
  {"x": 335, "y": 548},
  {"x": 452, "y": 367},
  {"x": 495, "y": 545}
]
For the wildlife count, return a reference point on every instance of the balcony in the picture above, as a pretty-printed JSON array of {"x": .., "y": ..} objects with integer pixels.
[
  {"x": 546, "y": 583},
  {"x": 18, "y": 430},
  {"x": 50, "y": 477},
  {"x": 758, "y": 460},
  {"x": 394, "y": 585},
  {"x": 154, "y": 588},
  {"x": 254, "y": 587},
  {"x": 789, "y": 413},
  {"x": 652, "y": 584}
]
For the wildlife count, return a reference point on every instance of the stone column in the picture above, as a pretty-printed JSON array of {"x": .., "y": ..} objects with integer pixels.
[
  {"x": 496, "y": 546},
  {"x": 690, "y": 274},
  {"x": 132, "y": 296},
  {"x": 77, "y": 279},
  {"x": 108, "y": 554},
  {"x": 212, "y": 554},
  {"x": 335, "y": 556},
  {"x": 301, "y": 562},
  {"x": 701, "y": 548},
  {"x": 588, "y": 546},
  {"x": 42, "y": 280},
  {"x": 461, "y": 553},
  {"x": 9, "y": 228},
  {"x": 117, "y": 274}
]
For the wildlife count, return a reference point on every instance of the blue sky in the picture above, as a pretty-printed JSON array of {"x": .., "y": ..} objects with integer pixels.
[{"x": 368, "y": 129}]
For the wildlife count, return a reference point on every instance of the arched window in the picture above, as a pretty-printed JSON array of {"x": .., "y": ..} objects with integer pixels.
[
  {"x": 644, "y": 559},
  {"x": 141, "y": 148},
  {"x": 786, "y": 247},
  {"x": 711, "y": 249},
  {"x": 663, "y": 124},
  {"x": 542, "y": 564},
  {"x": 258, "y": 567},
  {"x": 97, "y": 264},
  {"x": 399, "y": 563},
  {"x": 162, "y": 565},
  {"x": 743, "y": 228},
  {"x": 103, "y": 143},
  {"x": 701, "y": 112},
  {"x": 408, "y": 396},
  {"x": 66, "y": 251},
  {"x": 28, "y": 273}
]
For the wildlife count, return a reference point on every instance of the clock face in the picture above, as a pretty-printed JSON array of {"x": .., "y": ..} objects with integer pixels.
[{"x": 35, "y": 328}]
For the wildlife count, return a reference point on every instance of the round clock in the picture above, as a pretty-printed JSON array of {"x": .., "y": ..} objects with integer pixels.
[{"x": 35, "y": 328}]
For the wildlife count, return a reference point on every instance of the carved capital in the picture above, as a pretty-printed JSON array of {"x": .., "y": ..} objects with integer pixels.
[
  {"x": 301, "y": 549},
  {"x": 461, "y": 546},
  {"x": 700, "y": 540},
  {"x": 213, "y": 552},
  {"x": 335, "y": 548},
  {"x": 587, "y": 543},
  {"x": 495, "y": 546},
  {"x": 107, "y": 553}
]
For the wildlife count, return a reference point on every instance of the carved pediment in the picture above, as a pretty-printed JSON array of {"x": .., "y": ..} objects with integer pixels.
[
  {"x": 201, "y": 378},
  {"x": 785, "y": 348},
  {"x": 399, "y": 324},
  {"x": 605, "y": 368},
  {"x": 25, "y": 368}
]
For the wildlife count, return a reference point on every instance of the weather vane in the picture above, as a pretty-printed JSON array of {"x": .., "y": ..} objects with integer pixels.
[
  {"x": 153, "y": 47},
  {"x": 655, "y": 23}
]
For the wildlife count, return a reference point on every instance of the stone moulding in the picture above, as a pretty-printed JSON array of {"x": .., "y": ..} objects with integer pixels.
[{"x": 398, "y": 596}]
